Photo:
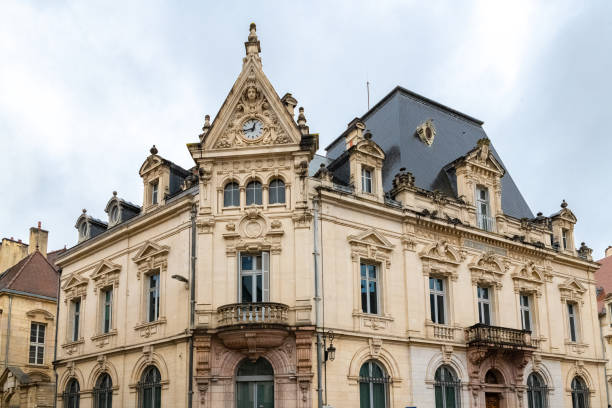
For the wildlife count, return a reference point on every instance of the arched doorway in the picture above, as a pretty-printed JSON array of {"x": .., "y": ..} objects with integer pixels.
[
  {"x": 493, "y": 380},
  {"x": 255, "y": 384}
]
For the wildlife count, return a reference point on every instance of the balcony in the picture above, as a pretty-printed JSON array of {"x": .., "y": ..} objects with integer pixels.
[
  {"x": 253, "y": 327},
  {"x": 498, "y": 337},
  {"x": 253, "y": 314},
  {"x": 485, "y": 222}
]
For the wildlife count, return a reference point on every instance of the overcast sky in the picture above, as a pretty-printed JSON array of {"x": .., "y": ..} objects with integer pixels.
[{"x": 86, "y": 87}]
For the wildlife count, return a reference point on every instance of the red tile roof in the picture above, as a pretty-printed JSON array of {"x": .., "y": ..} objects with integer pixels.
[
  {"x": 603, "y": 276},
  {"x": 33, "y": 274}
]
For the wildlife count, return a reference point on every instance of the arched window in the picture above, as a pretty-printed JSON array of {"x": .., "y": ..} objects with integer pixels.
[
  {"x": 372, "y": 386},
  {"x": 149, "y": 387},
  {"x": 447, "y": 387},
  {"x": 580, "y": 393},
  {"x": 255, "y": 384},
  {"x": 253, "y": 193},
  {"x": 277, "y": 192},
  {"x": 71, "y": 394},
  {"x": 493, "y": 377},
  {"x": 536, "y": 391},
  {"x": 231, "y": 195},
  {"x": 103, "y": 392}
]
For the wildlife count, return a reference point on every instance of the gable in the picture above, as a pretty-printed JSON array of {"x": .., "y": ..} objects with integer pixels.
[{"x": 252, "y": 98}]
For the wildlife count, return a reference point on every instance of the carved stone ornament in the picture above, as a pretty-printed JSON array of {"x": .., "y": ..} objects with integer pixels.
[
  {"x": 488, "y": 268},
  {"x": 75, "y": 286},
  {"x": 151, "y": 256},
  {"x": 371, "y": 245},
  {"x": 105, "y": 274},
  {"x": 253, "y": 104},
  {"x": 529, "y": 278},
  {"x": 440, "y": 259},
  {"x": 426, "y": 131},
  {"x": 572, "y": 290}
]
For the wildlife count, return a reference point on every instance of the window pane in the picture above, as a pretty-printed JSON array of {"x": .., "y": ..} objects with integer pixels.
[
  {"x": 40, "y": 355},
  {"x": 259, "y": 289},
  {"x": 432, "y": 306},
  {"x": 32, "y": 355},
  {"x": 379, "y": 395},
  {"x": 440, "y": 302},
  {"x": 364, "y": 395},
  {"x": 372, "y": 271},
  {"x": 247, "y": 262},
  {"x": 572, "y": 329},
  {"x": 363, "y": 270},
  {"x": 247, "y": 289},
  {"x": 439, "y": 285},
  {"x": 439, "y": 397},
  {"x": 364, "y": 296},
  {"x": 486, "y": 313},
  {"x": 431, "y": 283},
  {"x": 373, "y": 298},
  {"x": 41, "y": 333},
  {"x": 450, "y": 397},
  {"x": 526, "y": 320}
]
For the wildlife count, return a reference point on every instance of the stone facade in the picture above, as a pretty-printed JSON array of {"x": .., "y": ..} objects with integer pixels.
[{"x": 213, "y": 278}]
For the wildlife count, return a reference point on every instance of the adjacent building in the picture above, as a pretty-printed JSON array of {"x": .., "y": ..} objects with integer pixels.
[
  {"x": 403, "y": 268},
  {"x": 28, "y": 305},
  {"x": 604, "y": 307}
]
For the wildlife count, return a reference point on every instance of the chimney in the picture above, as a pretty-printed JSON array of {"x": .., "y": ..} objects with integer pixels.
[
  {"x": 38, "y": 240},
  {"x": 608, "y": 251}
]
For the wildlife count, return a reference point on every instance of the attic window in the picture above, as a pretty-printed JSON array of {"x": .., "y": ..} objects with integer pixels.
[
  {"x": 114, "y": 214},
  {"x": 366, "y": 180},
  {"x": 154, "y": 188}
]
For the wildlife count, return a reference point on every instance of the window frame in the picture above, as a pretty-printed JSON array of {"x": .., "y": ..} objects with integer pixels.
[
  {"x": 274, "y": 188},
  {"x": 76, "y": 310},
  {"x": 370, "y": 380},
  {"x": 367, "y": 180},
  {"x": 257, "y": 188},
  {"x": 154, "y": 191},
  {"x": 104, "y": 303},
  {"x": 564, "y": 238},
  {"x": 434, "y": 314},
  {"x": 152, "y": 291},
  {"x": 453, "y": 383},
  {"x": 155, "y": 385},
  {"x": 103, "y": 392},
  {"x": 572, "y": 322},
  {"x": 485, "y": 303},
  {"x": 235, "y": 194},
  {"x": 528, "y": 309},
  {"x": 577, "y": 392},
  {"x": 37, "y": 344},
  {"x": 532, "y": 389},
  {"x": 264, "y": 272},
  {"x": 376, "y": 280},
  {"x": 72, "y": 395}
]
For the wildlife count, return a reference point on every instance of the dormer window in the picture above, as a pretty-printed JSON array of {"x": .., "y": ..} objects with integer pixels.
[
  {"x": 483, "y": 209},
  {"x": 366, "y": 180},
  {"x": 154, "y": 191}
]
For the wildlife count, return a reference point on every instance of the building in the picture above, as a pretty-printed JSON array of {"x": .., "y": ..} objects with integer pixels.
[
  {"x": 604, "y": 306},
  {"x": 404, "y": 268},
  {"x": 28, "y": 305}
]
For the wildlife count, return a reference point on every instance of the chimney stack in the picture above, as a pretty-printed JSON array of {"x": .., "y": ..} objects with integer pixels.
[{"x": 38, "y": 240}]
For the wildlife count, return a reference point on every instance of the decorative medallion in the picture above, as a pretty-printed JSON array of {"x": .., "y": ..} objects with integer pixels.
[{"x": 426, "y": 131}]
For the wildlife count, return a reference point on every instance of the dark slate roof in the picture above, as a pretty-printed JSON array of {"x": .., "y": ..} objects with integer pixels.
[
  {"x": 33, "y": 274},
  {"x": 393, "y": 122}
]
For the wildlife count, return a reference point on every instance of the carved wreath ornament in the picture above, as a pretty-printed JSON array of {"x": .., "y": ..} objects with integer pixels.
[{"x": 253, "y": 105}]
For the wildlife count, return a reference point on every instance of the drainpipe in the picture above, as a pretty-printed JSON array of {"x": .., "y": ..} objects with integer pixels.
[
  {"x": 59, "y": 275},
  {"x": 317, "y": 299},
  {"x": 603, "y": 350},
  {"x": 8, "y": 331},
  {"x": 192, "y": 302}
]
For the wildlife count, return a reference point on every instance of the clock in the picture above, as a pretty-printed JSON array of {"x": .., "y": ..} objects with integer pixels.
[{"x": 252, "y": 129}]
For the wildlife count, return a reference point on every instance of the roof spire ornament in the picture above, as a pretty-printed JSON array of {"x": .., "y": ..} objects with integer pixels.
[
  {"x": 301, "y": 121},
  {"x": 205, "y": 128},
  {"x": 153, "y": 150},
  {"x": 563, "y": 204},
  {"x": 252, "y": 45}
]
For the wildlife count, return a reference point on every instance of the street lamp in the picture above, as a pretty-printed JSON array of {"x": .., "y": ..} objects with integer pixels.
[{"x": 330, "y": 352}]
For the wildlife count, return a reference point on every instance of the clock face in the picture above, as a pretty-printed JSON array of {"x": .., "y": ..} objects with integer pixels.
[{"x": 252, "y": 129}]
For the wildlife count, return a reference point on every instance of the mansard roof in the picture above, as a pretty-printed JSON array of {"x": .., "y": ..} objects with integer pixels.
[{"x": 394, "y": 122}]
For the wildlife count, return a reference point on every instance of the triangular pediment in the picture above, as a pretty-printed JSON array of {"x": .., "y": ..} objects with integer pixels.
[
  {"x": 252, "y": 98},
  {"x": 150, "y": 163},
  {"x": 74, "y": 281},
  {"x": 371, "y": 237},
  {"x": 568, "y": 215},
  {"x": 482, "y": 157},
  {"x": 149, "y": 250},
  {"x": 370, "y": 148},
  {"x": 572, "y": 285},
  {"x": 104, "y": 268}
]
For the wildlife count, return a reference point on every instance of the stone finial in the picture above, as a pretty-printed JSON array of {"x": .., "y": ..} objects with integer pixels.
[
  {"x": 290, "y": 102},
  {"x": 563, "y": 204},
  {"x": 367, "y": 135},
  {"x": 403, "y": 179},
  {"x": 323, "y": 173},
  {"x": 301, "y": 121},
  {"x": 153, "y": 150},
  {"x": 205, "y": 128},
  {"x": 485, "y": 141},
  {"x": 585, "y": 252},
  {"x": 252, "y": 45},
  {"x": 84, "y": 211},
  {"x": 114, "y": 194}
]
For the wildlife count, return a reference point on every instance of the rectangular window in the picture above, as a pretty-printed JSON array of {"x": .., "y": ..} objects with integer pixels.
[
  {"x": 484, "y": 305},
  {"x": 571, "y": 314},
  {"x": 107, "y": 309},
  {"x": 254, "y": 277},
  {"x": 76, "y": 316},
  {"x": 369, "y": 289},
  {"x": 366, "y": 180},
  {"x": 37, "y": 343},
  {"x": 564, "y": 238},
  {"x": 154, "y": 188},
  {"x": 525, "y": 312},
  {"x": 483, "y": 212},
  {"x": 437, "y": 300},
  {"x": 153, "y": 298}
]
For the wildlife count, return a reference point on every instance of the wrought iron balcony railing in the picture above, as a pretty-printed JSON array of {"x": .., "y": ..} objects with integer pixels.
[
  {"x": 486, "y": 222},
  {"x": 253, "y": 313},
  {"x": 494, "y": 336}
]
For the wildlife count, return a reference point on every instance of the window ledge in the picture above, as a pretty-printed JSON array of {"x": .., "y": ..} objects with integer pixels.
[
  {"x": 147, "y": 329},
  {"x": 104, "y": 335},
  {"x": 38, "y": 366},
  {"x": 72, "y": 347}
]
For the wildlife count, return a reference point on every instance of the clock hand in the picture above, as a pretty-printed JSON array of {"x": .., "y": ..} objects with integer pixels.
[{"x": 253, "y": 128}]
